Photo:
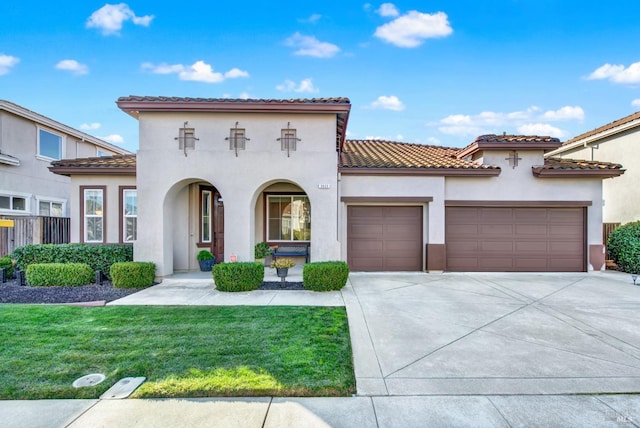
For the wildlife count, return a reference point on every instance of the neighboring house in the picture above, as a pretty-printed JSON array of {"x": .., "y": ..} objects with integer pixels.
[
  {"x": 225, "y": 174},
  {"x": 618, "y": 142},
  {"x": 28, "y": 143}
]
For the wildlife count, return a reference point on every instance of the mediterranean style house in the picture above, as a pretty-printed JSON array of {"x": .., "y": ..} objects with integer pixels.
[
  {"x": 614, "y": 142},
  {"x": 28, "y": 143},
  {"x": 225, "y": 174}
]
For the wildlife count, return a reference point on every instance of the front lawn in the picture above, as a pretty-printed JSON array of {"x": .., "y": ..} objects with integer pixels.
[{"x": 188, "y": 351}]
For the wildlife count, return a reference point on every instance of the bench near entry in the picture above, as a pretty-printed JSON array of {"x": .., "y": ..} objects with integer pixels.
[{"x": 292, "y": 251}]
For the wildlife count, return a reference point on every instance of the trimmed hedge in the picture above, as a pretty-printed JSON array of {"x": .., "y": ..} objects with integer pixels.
[
  {"x": 99, "y": 257},
  {"x": 241, "y": 276},
  {"x": 132, "y": 274},
  {"x": 624, "y": 247},
  {"x": 5, "y": 263},
  {"x": 325, "y": 276},
  {"x": 59, "y": 274}
]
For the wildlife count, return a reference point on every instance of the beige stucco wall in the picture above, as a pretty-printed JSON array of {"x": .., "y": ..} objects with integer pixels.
[
  {"x": 621, "y": 194},
  {"x": 32, "y": 178},
  {"x": 112, "y": 203},
  {"x": 163, "y": 173}
]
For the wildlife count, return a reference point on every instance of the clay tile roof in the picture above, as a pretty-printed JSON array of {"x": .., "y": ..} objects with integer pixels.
[
  {"x": 509, "y": 142},
  {"x": 493, "y": 138},
  {"x": 116, "y": 164},
  {"x": 379, "y": 155},
  {"x": 556, "y": 167},
  {"x": 603, "y": 128},
  {"x": 160, "y": 99}
]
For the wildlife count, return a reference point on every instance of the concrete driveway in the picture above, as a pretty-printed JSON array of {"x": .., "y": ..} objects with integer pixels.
[{"x": 494, "y": 334}]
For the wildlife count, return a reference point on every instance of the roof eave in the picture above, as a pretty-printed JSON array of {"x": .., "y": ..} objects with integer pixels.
[
  {"x": 580, "y": 142},
  {"x": 69, "y": 171},
  {"x": 486, "y": 146},
  {"x": 448, "y": 172},
  {"x": 576, "y": 173}
]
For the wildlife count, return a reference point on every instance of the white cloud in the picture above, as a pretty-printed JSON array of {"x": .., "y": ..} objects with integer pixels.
[
  {"x": 73, "y": 66},
  {"x": 199, "y": 71},
  {"x": 310, "y": 46},
  {"x": 388, "y": 9},
  {"x": 541, "y": 129},
  {"x": 388, "y": 103},
  {"x": 371, "y": 137},
  {"x": 433, "y": 140},
  {"x": 90, "y": 126},
  {"x": 565, "y": 113},
  {"x": 617, "y": 73},
  {"x": 305, "y": 85},
  {"x": 315, "y": 17},
  {"x": 110, "y": 17},
  {"x": 635, "y": 103},
  {"x": 529, "y": 121},
  {"x": 6, "y": 62},
  {"x": 411, "y": 29},
  {"x": 244, "y": 96},
  {"x": 113, "y": 138},
  {"x": 399, "y": 137}
]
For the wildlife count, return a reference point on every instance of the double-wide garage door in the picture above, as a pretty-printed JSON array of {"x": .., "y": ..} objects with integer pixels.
[
  {"x": 522, "y": 239},
  {"x": 384, "y": 238}
]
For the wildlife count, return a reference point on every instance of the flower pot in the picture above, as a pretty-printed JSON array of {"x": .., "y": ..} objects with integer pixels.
[
  {"x": 282, "y": 272},
  {"x": 206, "y": 265}
]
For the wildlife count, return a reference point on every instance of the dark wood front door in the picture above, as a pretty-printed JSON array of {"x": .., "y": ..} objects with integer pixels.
[
  {"x": 211, "y": 218},
  {"x": 218, "y": 227}
]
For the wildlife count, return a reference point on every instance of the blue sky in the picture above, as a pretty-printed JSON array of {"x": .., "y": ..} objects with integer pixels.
[{"x": 436, "y": 72}]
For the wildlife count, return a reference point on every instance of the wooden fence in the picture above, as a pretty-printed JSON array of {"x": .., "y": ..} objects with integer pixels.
[
  {"x": 607, "y": 228},
  {"x": 34, "y": 230}
]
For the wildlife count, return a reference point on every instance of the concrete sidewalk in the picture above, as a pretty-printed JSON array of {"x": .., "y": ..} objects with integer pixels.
[
  {"x": 361, "y": 412},
  {"x": 545, "y": 350}
]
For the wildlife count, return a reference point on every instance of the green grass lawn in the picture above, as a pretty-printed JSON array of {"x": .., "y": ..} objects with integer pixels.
[{"x": 182, "y": 351}]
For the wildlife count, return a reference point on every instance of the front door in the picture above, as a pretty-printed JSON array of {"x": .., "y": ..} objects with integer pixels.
[{"x": 211, "y": 222}]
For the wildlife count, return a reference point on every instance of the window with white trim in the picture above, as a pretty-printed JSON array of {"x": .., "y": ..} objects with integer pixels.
[
  {"x": 50, "y": 145},
  {"x": 288, "y": 218},
  {"x": 93, "y": 215},
  {"x": 129, "y": 215},
  {"x": 50, "y": 208},
  {"x": 14, "y": 203}
]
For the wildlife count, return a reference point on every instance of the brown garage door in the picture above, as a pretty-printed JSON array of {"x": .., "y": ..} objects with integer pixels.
[
  {"x": 502, "y": 239},
  {"x": 384, "y": 238}
]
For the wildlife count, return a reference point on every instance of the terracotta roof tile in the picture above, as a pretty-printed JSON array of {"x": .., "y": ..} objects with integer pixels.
[
  {"x": 504, "y": 138},
  {"x": 389, "y": 154},
  {"x": 161, "y": 99},
  {"x": 574, "y": 164},
  {"x": 603, "y": 128},
  {"x": 116, "y": 164}
]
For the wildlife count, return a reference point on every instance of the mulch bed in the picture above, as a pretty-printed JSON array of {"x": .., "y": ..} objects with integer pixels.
[{"x": 12, "y": 292}]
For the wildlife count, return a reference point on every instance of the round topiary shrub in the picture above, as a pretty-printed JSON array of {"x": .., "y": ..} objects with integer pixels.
[{"x": 624, "y": 247}]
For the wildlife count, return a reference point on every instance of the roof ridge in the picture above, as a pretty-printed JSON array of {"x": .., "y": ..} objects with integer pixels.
[
  {"x": 605, "y": 127},
  {"x": 162, "y": 98}
]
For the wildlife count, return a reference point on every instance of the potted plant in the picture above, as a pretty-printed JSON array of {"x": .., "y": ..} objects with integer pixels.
[
  {"x": 262, "y": 253},
  {"x": 206, "y": 260},
  {"x": 282, "y": 266}
]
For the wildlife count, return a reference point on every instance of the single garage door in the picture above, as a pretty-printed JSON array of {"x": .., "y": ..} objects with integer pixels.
[
  {"x": 501, "y": 239},
  {"x": 384, "y": 238}
]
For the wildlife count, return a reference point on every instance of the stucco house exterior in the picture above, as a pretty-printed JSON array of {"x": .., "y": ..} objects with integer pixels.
[
  {"x": 225, "y": 174},
  {"x": 618, "y": 142},
  {"x": 29, "y": 142}
]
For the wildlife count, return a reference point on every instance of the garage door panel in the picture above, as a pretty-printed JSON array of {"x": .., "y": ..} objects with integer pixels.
[
  {"x": 388, "y": 239},
  {"x": 515, "y": 239}
]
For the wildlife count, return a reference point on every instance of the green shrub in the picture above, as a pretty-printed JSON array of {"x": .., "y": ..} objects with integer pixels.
[
  {"x": 262, "y": 250},
  {"x": 241, "y": 276},
  {"x": 132, "y": 274},
  {"x": 99, "y": 257},
  {"x": 59, "y": 274},
  {"x": 325, "y": 276},
  {"x": 624, "y": 247},
  {"x": 204, "y": 255},
  {"x": 7, "y": 265}
]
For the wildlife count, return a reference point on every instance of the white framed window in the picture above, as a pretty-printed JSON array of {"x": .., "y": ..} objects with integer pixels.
[
  {"x": 129, "y": 215},
  {"x": 50, "y": 144},
  {"x": 288, "y": 218},
  {"x": 51, "y": 207},
  {"x": 206, "y": 198},
  {"x": 93, "y": 210},
  {"x": 14, "y": 203}
]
